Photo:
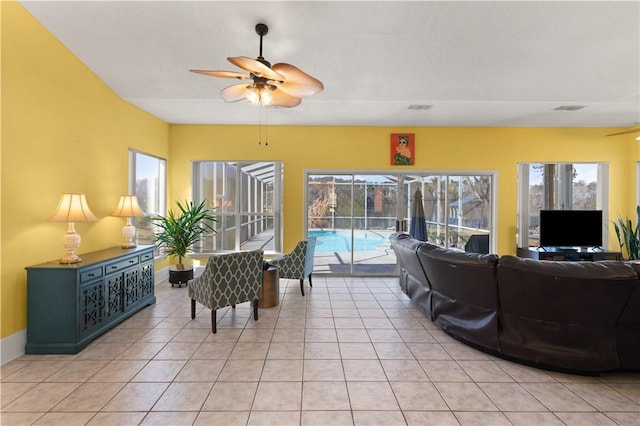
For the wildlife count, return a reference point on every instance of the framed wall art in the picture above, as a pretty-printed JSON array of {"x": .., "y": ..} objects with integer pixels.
[{"x": 402, "y": 149}]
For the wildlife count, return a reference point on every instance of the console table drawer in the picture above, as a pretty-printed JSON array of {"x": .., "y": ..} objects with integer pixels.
[
  {"x": 145, "y": 257},
  {"x": 119, "y": 266},
  {"x": 90, "y": 275}
]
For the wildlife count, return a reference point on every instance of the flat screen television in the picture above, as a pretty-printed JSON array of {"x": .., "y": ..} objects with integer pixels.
[{"x": 570, "y": 228}]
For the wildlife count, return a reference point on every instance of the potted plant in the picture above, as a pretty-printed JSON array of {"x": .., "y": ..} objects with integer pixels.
[
  {"x": 179, "y": 231},
  {"x": 628, "y": 235}
]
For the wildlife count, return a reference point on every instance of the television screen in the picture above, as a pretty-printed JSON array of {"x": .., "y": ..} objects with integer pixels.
[{"x": 570, "y": 228}]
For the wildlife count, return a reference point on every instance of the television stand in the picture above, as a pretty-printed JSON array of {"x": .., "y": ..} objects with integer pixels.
[{"x": 567, "y": 255}]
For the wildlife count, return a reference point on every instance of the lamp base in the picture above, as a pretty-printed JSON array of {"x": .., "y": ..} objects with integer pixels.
[
  {"x": 128, "y": 246},
  {"x": 70, "y": 258},
  {"x": 129, "y": 234}
]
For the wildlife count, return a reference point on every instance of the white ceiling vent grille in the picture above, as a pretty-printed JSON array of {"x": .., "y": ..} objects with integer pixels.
[
  {"x": 570, "y": 107},
  {"x": 418, "y": 107}
]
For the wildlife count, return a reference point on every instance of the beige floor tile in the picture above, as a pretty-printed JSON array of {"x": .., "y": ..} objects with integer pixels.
[
  {"x": 371, "y": 396},
  {"x": 481, "y": 418},
  {"x": 416, "y": 336},
  {"x": 200, "y": 370},
  {"x": 159, "y": 335},
  {"x": 533, "y": 419},
  {"x": 511, "y": 397},
  {"x": 462, "y": 352},
  {"x": 321, "y": 350},
  {"x": 584, "y": 419},
  {"x": 484, "y": 371},
  {"x": 524, "y": 373},
  {"x": 12, "y": 366},
  {"x": 352, "y": 335},
  {"x": 378, "y": 418},
  {"x": 603, "y": 397},
  {"x": 228, "y": 335},
  {"x": 183, "y": 397},
  {"x": 159, "y": 371},
  {"x": 177, "y": 351},
  {"x": 623, "y": 418},
  {"x": 136, "y": 397},
  {"x": 106, "y": 350},
  {"x": 320, "y": 335},
  {"x": 231, "y": 396},
  {"x": 19, "y": 419},
  {"x": 191, "y": 335},
  {"x": 325, "y": 396},
  {"x": 422, "y": 418},
  {"x": 118, "y": 371},
  {"x": 116, "y": 419},
  {"x": 397, "y": 350},
  {"x": 256, "y": 335},
  {"x": 288, "y": 335},
  {"x": 89, "y": 397},
  {"x": 418, "y": 396},
  {"x": 384, "y": 336},
  {"x": 67, "y": 419},
  {"x": 222, "y": 418},
  {"x": 407, "y": 370},
  {"x": 344, "y": 312},
  {"x": 241, "y": 370},
  {"x": 274, "y": 418},
  {"x": 445, "y": 371},
  {"x": 428, "y": 351},
  {"x": 249, "y": 351},
  {"x": 176, "y": 418},
  {"x": 363, "y": 370},
  {"x": 317, "y": 322},
  {"x": 348, "y": 322},
  {"x": 357, "y": 351},
  {"x": 285, "y": 350},
  {"x": 465, "y": 397},
  {"x": 10, "y": 391},
  {"x": 278, "y": 396},
  {"x": 123, "y": 335},
  {"x": 326, "y": 418},
  {"x": 218, "y": 350},
  {"x": 42, "y": 397},
  {"x": 557, "y": 397},
  {"x": 36, "y": 371},
  {"x": 630, "y": 390},
  {"x": 282, "y": 370},
  {"x": 141, "y": 350},
  {"x": 320, "y": 370}
]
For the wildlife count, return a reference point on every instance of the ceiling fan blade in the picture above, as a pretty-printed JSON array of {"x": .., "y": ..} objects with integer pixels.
[
  {"x": 234, "y": 93},
  {"x": 256, "y": 67},
  {"x": 297, "y": 82},
  {"x": 223, "y": 74},
  {"x": 282, "y": 99},
  {"x": 626, "y": 132}
]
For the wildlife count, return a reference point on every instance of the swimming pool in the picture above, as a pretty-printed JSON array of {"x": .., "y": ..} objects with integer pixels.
[{"x": 340, "y": 241}]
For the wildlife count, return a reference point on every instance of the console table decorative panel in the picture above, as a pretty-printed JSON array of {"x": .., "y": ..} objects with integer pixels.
[{"x": 69, "y": 305}]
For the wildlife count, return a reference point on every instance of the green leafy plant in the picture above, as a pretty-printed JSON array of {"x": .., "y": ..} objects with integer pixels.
[
  {"x": 628, "y": 235},
  {"x": 179, "y": 231}
]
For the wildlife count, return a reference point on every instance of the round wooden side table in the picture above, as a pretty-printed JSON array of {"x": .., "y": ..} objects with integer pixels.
[{"x": 270, "y": 296}]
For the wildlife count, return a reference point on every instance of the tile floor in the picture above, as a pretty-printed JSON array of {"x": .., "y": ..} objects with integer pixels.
[{"x": 354, "y": 351}]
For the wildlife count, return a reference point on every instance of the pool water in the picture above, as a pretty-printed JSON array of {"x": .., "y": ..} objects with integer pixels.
[{"x": 340, "y": 241}]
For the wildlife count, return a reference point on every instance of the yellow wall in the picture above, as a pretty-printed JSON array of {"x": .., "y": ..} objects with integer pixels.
[
  {"x": 493, "y": 149},
  {"x": 63, "y": 130}
]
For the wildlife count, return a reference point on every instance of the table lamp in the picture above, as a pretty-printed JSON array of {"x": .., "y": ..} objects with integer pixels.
[
  {"x": 128, "y": 207},
  {"x": 72, "y": 208}
]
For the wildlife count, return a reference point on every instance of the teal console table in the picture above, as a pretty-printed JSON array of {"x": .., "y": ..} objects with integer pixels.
[{"x": 68, "y": 306}]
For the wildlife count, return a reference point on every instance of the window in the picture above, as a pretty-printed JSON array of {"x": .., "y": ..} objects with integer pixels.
[
  {"x": 147, "y": 181},
  {"x": 559, "y": 186},
  {"x": 247, "y": 200}
]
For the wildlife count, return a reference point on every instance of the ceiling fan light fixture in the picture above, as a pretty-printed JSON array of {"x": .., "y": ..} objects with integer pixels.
[{"x": 260, "y": 95}]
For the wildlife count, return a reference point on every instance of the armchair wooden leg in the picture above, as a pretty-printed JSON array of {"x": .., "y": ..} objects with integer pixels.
[
  {"x": 213, "y": 321},
  {"x": 255, "y": 309},
  {"x": 233, "y": 306},
  {"x": 302, "y": 286},
  {"x": 193, "y": 309},
  {"x": 310, "y": 283}
]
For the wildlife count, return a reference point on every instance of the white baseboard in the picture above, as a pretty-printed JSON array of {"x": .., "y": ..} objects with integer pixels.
[{"x": 12, "y": 347}]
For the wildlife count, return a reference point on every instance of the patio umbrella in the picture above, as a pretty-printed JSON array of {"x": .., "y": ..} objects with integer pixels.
[{"x": 418, "y": 228}]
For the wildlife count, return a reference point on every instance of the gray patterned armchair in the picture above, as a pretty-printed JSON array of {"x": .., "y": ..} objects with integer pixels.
[
  {"x": 298, "y": 264},
  {"x": 228, "y": 279}
]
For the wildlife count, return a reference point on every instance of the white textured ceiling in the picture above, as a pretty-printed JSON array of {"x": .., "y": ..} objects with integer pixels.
[{"x": 477, "y": 63}]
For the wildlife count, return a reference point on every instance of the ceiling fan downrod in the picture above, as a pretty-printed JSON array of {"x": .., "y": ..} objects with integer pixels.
[{"x": 262, "y": 30}]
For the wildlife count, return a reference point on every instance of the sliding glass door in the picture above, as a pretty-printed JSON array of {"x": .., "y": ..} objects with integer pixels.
[{"x": 352, "y": 215}]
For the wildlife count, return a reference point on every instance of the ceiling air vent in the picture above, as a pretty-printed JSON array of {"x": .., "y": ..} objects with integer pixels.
[
  {"x": 417, "y": 107},
  {"x": 570, "y": 107}
]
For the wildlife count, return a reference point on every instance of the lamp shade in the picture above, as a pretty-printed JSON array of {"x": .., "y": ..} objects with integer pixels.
[
  {"x": 72, "y": 208},
  {"x": 128, "y": 207}
]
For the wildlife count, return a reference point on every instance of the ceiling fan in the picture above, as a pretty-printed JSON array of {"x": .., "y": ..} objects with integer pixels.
[
  {"x": 626, "y": 132},
  {"x": 281, "y": 85}
]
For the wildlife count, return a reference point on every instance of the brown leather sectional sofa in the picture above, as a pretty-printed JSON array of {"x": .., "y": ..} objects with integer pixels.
[{"x": 573, "y": 316}]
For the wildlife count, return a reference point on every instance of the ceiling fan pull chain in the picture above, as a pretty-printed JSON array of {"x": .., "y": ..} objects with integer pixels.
[{"x": 266, "y": 126}]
